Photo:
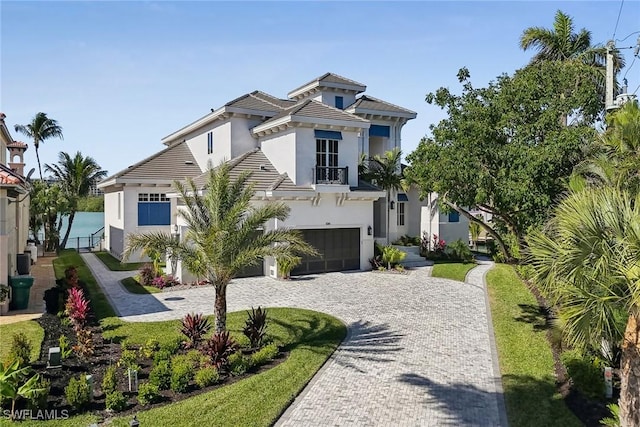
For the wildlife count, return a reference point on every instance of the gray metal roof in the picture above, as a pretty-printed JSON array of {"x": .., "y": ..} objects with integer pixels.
[
  {"x": 263, "y": 174},
  {"x": 174, "y": 162},
  {"x": 366, "y": 102}
]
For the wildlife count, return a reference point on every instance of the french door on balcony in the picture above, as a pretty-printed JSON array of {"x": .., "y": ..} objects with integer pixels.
[{"x": 327, "y": 161}]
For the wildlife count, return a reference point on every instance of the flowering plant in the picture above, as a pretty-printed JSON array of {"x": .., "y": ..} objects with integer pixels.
[{"x": 437, "y": 244}]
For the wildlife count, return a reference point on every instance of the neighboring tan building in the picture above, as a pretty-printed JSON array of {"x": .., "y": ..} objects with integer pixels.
[
  {"x": 303, "y": 150},
  {"x": 14, "y": 202}
]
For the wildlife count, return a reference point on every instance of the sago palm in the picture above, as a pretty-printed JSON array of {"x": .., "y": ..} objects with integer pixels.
[
  {"x": 587, "y": 262},
  {"x": 223, "y": 232},
  {"x": 75, "y": 175},
  {"x": 39, "y": 130}
]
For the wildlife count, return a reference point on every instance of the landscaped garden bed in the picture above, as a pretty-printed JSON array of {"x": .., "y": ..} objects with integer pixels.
[{"x": 256, "y": 381}]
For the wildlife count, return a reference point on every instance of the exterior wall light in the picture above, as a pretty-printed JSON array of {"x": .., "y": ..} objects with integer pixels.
[
  {"x": 392, "y": 205},
  {"x": 369, "y": 231}
]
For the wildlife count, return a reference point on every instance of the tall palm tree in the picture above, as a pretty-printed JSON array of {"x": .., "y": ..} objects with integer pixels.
[
  {"x": 40, "y": 129},
  {"x": 385, "y": 172},
  {"x": 221, "y": 234},
  {"x": 587, "y": 262},
  {"x": 76, "y": 175}
]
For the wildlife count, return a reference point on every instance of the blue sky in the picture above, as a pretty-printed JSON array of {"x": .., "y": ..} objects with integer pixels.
[{"x": 119, "y": 76}]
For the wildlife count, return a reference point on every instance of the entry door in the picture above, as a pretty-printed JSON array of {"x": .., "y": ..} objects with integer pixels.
[{"x": 327, "y": 160}]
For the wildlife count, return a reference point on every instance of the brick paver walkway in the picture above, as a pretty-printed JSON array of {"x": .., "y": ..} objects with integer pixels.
[{"x": 418, "y": 352}]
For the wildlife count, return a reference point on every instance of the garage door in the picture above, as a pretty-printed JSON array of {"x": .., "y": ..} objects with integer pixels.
[
  {"x": 339, "y": 251},
  {"x": 253, "y": 271}
]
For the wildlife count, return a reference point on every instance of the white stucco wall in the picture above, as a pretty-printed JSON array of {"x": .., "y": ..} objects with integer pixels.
[
  {"x": 435, "y": 222},
  {"x": 280, "y": 149},
  {"x": 241, "y": 138},
  {"x": 197, "y": 142}
]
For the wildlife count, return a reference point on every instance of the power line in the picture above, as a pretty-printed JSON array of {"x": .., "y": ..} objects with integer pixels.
[
  {"x": 634, "y": 92},
  {"x": 630, "y": 66},
  {"x": 618, "y": 20},
  {"x": 635, "y": 32}
]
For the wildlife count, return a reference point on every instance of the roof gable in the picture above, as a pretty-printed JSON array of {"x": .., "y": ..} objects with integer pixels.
[
  {"x": 369, "y": 103},
  {"x": 328, "y": 80}
]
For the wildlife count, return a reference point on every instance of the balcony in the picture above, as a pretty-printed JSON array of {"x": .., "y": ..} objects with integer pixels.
[{"x": 331, "y": 175}]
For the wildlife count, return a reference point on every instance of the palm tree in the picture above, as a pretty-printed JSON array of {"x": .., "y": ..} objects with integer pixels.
[
  {"x": 221, "y": 234},
  {"x": 76, "y": 175},
  {"x": 384, "y": 171},
  {"x": 40, "y": 129},
  {"x": 587, "y": 262}
]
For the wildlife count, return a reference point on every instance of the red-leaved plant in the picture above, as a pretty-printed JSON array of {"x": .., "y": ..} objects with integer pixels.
[
  {"x": 194, "y": 326},
  {"x": 71, "y": 274},
  {"x": 255, "y": 326},
  {"x": 219, "y": 347},
  {"x": 77, "y": 308}
]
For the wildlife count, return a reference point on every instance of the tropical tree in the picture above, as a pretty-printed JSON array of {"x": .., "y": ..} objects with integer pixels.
[
  {"x": 39, "y": 130},
  {"x": 587, "y": 263},
  {"x": 221, "y": 233},
  {"x": 474, "y": 230},
  {"x": 502, "y": 148},
  {"x": 47, "y": 205},
  {"x": 75, "y": 175},
  {"x": 385, "y": 172}
]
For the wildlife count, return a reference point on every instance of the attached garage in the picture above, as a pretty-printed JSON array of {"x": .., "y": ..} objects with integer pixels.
[{"x": 339, "y": 251}]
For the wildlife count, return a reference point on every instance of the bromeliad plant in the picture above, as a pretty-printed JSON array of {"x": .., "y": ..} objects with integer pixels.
[
  {"x": 219, "y": 347},
  {"x": 194, "y": 327},
  {"x": 255, "y": 327}
]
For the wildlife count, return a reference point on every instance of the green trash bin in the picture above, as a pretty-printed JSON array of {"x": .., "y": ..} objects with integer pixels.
[{"x": 20, "y": 287}]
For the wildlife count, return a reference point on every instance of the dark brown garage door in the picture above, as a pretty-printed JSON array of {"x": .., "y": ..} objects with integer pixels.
[
  {"x": 253, "y": 271},
  {"x": 339, "y": 249}
]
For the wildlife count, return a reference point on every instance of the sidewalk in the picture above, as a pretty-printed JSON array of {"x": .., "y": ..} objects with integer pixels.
[{"x": 45, "y": 278}]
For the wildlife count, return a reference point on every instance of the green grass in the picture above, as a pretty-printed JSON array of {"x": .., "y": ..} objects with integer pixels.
[
  {"x": 451, "y": 270},
  {"x": 258, "y": 400},
  {"x": 526, "y": 362},
  {"x": 114, "y": 264},
  {"x": 31, "y": 329},
  {"x": 133, "y": 286},
  {"x": 99, "y": 303}
]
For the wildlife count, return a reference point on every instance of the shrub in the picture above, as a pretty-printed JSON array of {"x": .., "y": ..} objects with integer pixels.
[
  {"x": 149, "y": 348},
  {"x": 181, "y": 374},
  {"x": 77, "y": 308},
  {"x": 160, "y": 375},
  {"x": 84, "y": 343},
  {"x": 392, "y": 256},
  {"x": 78, "y": 393},
  {"x": 459, "y": 251},
  {"x": 194, "y": 326},
  {"x": 128, "y": 359},
  {"x": 71, "y": 277},
  {"x": 376, "y": 262},
  {"x": 286, "y": 265},
  {"x": 110, "y": 380},
  {"x": 116, "y": 401},
  {"x": 585, "y": 373},
  {"x": 207, "y": 376},
  {"x": 196, "y": 358},
  {"x": 147, "y": 274},
  {"x": 526, "y": 271},
  {"x": 159, "y": 282},
  {"x": 38, "y": 400},
  {"x": 65, "y": 346},
  {"x": 20, "y": 349},
  {"x": 161, "y": 355},
  {"x": 238, "y": 364},
  {"x": 264, "y": 355},
  {"x": 255, "y": 326},
  {"x": 219, "y": 347},
  {"x": 171, "y": 346},
  {"x": 148, "y": 393}
]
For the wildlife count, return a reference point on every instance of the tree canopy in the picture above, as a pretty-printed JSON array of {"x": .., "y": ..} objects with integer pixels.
[{"x": 504, "y": 148}]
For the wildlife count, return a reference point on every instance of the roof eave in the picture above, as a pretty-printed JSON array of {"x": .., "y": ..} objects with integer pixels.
[{"x": 405, "y": 115}]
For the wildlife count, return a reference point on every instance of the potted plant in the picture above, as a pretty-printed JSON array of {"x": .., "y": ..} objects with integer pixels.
[{"x": 4, "y": 299}]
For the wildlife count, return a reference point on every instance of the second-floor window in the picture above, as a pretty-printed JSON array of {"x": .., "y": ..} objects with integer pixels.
[
  {"x": 401, "y": 213},
  {"x": 339, "y": 102},
  {"x": 210, "y": 143},
  {"x": 327, "y": 160}
]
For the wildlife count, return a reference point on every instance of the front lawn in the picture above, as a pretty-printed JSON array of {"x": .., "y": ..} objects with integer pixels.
[
  {"x": 309, "y": 338},
  {"x": 30, "y": 328},
  {"x": 451, "y": 270},
  {"x": 133, "y": 286},
  {"x": 114, "y": 264},
  {"x": 526, "y": 362}
]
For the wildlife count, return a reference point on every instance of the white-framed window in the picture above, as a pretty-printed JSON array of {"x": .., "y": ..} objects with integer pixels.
[
  {"x": 401, "y": 213},
  {"x": 209, "y": 142},
  {"x": 327, "y": 160},
  {"x": 119, "y": 205}
]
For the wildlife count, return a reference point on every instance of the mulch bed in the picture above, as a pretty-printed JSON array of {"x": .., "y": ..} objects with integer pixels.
[{"x": 587, "y": 410}]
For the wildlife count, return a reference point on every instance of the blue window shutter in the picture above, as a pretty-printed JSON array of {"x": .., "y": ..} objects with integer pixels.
[
  {"x": 339, "y": 102},
  {"x": 454, "y": 216},
  {"x": 378, "y": 130},
  {"x": 402, "y": 197},
  {"x": 154, "y": 213},
  {"x": 328, "y": 134},
  {"x": 143, "y": 213}
]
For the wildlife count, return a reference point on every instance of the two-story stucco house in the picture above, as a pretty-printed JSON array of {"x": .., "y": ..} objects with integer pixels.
[
  {"x": 303, "y": 150},
  {"x": 14, "y": 203}
]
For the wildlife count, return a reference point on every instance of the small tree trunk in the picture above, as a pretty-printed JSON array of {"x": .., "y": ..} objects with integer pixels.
[
  {"x": 66, "y": 234},
  {"x": 630, "y": 373},
  {"x": 35, "y": 145},
  {"x": 221, "y": 307}
]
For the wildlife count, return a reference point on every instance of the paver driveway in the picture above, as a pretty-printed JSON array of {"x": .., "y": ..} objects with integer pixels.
[{"x": 418, "y": 352}]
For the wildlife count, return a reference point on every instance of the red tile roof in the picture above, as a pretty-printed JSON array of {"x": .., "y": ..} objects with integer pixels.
[{"x": 17, "y": 144}]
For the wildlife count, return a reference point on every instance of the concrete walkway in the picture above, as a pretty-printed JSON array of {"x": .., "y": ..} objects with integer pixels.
[{"x": 419, "y": 349}]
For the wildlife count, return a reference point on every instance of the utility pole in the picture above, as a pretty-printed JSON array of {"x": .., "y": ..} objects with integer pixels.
[{"x": 608, "y": 103}]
